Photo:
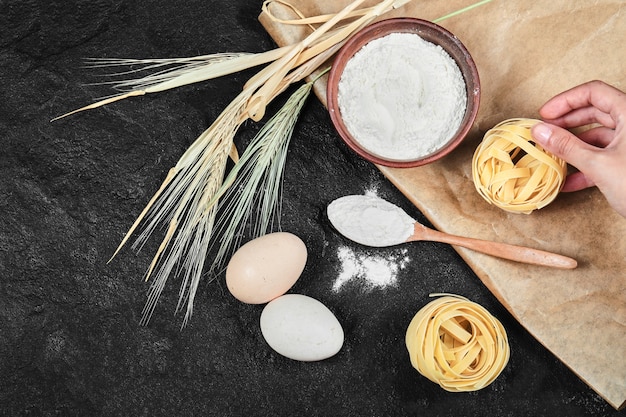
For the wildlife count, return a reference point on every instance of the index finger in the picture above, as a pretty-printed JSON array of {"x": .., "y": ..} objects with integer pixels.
[{"x": 594, "y": 96}]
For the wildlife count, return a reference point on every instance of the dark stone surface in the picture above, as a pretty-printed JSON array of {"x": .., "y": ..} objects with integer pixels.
[{"x": 70, "y": 339}]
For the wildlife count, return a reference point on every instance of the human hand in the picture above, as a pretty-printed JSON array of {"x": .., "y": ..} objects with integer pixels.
[{"x": 598, "y": 153}]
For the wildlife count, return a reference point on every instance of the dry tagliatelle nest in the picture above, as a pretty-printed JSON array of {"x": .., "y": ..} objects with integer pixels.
[
  {"x": 457, "y": 344},
  {"x": 513, "y": 172},
  {"x": 195, "y": 189}
]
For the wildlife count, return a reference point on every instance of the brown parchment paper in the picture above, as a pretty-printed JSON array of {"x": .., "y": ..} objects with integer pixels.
[{"x": 526, "y": 52}]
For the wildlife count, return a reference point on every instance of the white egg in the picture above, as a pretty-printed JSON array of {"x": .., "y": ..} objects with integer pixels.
[{"x": 301, "y": 328}]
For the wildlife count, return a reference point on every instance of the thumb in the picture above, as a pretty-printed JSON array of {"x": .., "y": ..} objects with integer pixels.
[{"x": 563, "y": 144}]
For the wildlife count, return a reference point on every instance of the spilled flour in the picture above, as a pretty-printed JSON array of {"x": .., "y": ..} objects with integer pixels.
[
  {"x": 372, "y": 271},
  {"x": 366, "y": 269}
]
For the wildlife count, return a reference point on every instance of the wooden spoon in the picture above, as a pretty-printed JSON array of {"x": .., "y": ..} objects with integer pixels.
[
  {"x": 372, "y": 221},
  {"x": 500, "y": 250}
]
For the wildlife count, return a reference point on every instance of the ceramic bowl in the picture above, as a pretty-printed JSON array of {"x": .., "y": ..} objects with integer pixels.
[{"x": 430, "y": 32}]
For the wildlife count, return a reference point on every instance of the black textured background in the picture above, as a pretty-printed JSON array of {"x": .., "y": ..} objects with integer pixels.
[{"x": 70, "y": 342}]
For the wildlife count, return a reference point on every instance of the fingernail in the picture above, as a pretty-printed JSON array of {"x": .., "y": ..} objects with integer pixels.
[{"x": 542, "y": 132}]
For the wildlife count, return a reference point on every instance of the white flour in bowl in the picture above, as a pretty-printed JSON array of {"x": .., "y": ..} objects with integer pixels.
[{"x": 401, "y": 97}]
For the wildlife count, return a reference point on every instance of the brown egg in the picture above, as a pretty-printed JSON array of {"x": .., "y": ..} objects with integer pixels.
[{"x": 266, "y": 267}]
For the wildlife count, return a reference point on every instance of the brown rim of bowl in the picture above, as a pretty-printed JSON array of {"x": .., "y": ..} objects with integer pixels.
[{"x": 430, "y": 32}]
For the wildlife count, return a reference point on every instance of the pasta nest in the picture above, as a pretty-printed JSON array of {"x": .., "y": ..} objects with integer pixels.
[
  {"x": 457, "y": 344},
  {"x": 513, "y": 172}
]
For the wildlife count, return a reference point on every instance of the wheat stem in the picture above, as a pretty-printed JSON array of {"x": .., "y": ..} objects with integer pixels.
[{"x": 256, "y": 181}]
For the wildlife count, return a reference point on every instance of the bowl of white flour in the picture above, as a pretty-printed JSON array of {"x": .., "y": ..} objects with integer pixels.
[{"x": 403, "y": 92}]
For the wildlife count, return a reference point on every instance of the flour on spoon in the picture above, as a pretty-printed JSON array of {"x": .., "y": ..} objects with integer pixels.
[{"x": 370, "y": 220}]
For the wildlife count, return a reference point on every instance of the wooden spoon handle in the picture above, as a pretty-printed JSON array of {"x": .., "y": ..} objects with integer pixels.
[{"x": 502, "y": 250}]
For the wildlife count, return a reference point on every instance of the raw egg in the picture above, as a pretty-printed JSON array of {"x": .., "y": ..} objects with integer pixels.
[
  {"x": 301, "y": 328},
  {"x": 266, "y": 267}
]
